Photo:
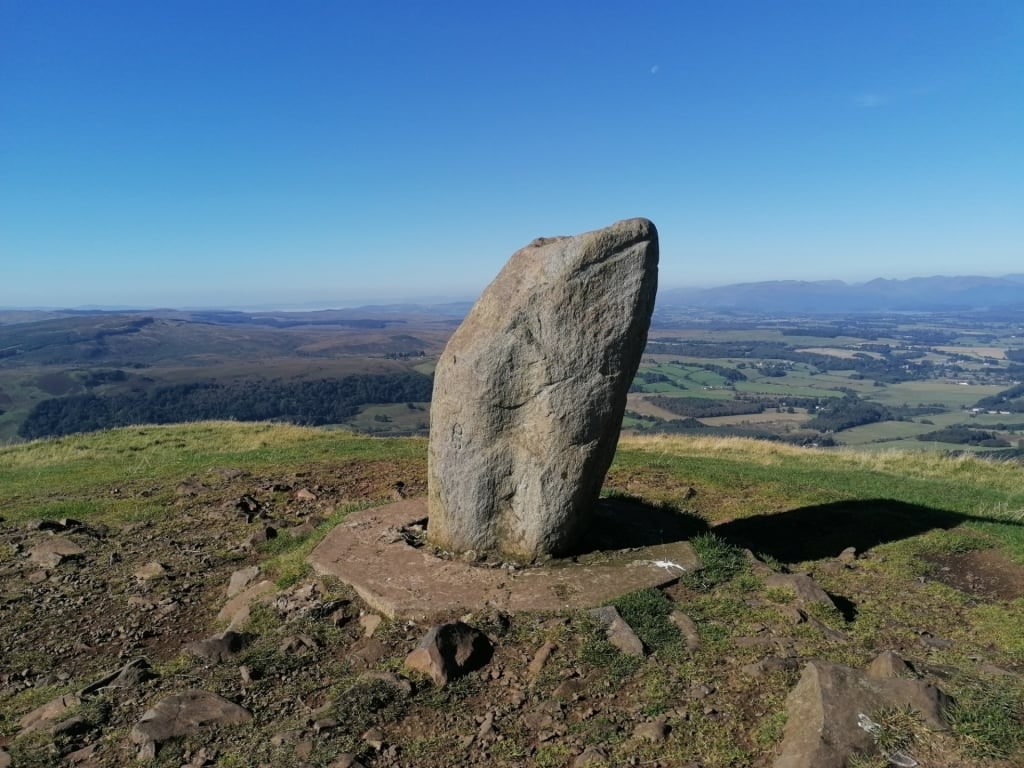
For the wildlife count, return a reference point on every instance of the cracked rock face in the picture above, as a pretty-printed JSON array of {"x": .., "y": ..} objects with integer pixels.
[{"x": 530, "y": 392}]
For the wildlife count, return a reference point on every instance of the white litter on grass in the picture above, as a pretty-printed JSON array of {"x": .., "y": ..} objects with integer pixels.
[
  {"x": 668, "y": 565},
  {"x": 896, "y": 758},
  {"x": 865, "y": 723},
  {"x": 901, "y": 760}
]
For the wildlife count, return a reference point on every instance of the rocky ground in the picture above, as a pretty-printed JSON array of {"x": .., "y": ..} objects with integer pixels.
[{"x": 199, "y": 638}]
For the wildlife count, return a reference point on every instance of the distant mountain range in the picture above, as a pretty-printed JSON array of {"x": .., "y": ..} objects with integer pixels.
[{"x": 917, "y": 294}]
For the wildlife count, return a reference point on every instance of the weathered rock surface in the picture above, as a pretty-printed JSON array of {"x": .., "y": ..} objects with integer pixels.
[
  {"x": 803, "y": 586},
  {"x": 889, "y": 664},
  {"x": 591, "y": 757},
  {"x": 450, "y": 650},
  {"x": 418, "y": 586},
  {"x": 131, "y": 675},
  {"x": 530, "y": 392},
  {"x": 241, "y": 579},
  {"x": 618, "y": 632},
  {"x": 223, "y": 646},
  {"x": 181, "y": 713},
  {"x": 53, "y": 552},
  {"x": 688, "y": 628},
  {"x": 50, "y": 712},
  {"x": 825, "y": 707}
]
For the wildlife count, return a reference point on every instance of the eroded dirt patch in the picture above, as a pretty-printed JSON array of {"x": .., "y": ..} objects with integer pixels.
[{"x": 985, "y": 572}]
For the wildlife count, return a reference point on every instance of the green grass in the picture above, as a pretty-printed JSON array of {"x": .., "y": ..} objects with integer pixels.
[
  {"x": 287, "y": 555},
  {"x": 950, "y": 394},
  {"x": 646, "y": 611},
  {"x": 155, "y": 455},
  {"x": 883, "y": 431},
  {"x": 391, "y": 418},
  {"x": 721, "y": 562},
  {"x": 988, "y": 715}
]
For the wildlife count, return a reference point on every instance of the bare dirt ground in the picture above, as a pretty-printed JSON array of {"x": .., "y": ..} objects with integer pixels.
[
  {"x": 987, "y": 573},
  {"x": 324, "y": 679}
]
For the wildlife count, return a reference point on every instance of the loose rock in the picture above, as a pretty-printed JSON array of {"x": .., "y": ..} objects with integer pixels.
[
  {"x": 236, "y": 610},
  {"x": 241, "y": 579},
  {"x": 618, "y": 632},
  {"x": 132, "y": 674},
  {"x": 49, "y": 713},
  {"x": 823, "y": 709},
  {"x": 223, "y": 646},
  {"x": 180, "y": 713},
  {"x": 591, "y": 757},
  {"x": 688, "y": 628},
  {"x": 346, "y": 761},
  {"x": 369, "y": 622},
  {"x": 540, "y": 658},
  {"x": 889, "y": 664},
  {"x": 55, "y": 551},
  {"x": 655, "y": 731},
  {"x": 803, "y": 586},
  {"x": 150, "y": 571},
  {"x": 448, "y": 651}
]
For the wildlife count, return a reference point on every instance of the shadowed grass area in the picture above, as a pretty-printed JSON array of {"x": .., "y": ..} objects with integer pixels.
[{"x": 904, "y": 493}]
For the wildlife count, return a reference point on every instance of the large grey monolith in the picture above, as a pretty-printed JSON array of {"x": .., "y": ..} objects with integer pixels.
[{"x": 530, "y": 392}]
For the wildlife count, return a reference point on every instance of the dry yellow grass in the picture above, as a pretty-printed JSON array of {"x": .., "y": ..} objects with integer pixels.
[
  {"x": 895, "y": 462},
  {"x": 846, "y": 354},
  {"x": 999, "y": 353}
]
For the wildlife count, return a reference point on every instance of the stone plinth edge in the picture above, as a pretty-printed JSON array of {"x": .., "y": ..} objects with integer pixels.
[{"x": 404, "y": 582}]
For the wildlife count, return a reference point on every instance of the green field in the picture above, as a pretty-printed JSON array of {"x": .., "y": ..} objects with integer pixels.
[{"x": 826, "y": 367}]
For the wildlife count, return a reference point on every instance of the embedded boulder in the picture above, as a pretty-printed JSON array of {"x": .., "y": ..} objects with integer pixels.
[
  {"x": 530, "y": 392},
  {"x": 181, "y": 713},
  {"x": 829, "y": 713}
]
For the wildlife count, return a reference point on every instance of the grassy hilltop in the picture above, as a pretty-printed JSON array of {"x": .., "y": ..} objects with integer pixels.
[{"x": 938, "y": 577}]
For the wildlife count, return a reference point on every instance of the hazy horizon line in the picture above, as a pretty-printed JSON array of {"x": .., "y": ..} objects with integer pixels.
[{"x": 428, "y": 300}]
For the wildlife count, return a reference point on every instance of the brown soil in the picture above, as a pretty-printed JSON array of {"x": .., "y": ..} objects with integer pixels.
[{"x": 987, "y": 573}]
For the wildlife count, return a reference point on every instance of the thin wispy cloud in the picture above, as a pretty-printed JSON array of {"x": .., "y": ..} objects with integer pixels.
[
  {"x": 869, "y": 100},
  {"x": 655, "y": 69}
]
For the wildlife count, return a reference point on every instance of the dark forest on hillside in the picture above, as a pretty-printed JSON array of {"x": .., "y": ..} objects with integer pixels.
[{"x": 325, "y": 401}]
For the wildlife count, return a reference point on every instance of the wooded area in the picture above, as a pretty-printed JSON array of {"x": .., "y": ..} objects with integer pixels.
[{"x": 324, "y": 401}]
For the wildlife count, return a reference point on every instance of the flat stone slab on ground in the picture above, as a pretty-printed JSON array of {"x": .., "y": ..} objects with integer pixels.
[{"x": 402, "y": 581}]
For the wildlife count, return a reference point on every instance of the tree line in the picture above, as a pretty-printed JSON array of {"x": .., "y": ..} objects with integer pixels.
[
  {"x": 894, "y": 367},
  {"x": 323, "y": 401},
  {"x": 1011, "y": 400}
]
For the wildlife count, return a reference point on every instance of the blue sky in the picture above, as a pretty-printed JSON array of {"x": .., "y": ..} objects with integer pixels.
[{"x": 213, "y": 153}]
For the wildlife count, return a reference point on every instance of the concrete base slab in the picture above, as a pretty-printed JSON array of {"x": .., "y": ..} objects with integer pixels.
[{"x": 402, "y": 581}]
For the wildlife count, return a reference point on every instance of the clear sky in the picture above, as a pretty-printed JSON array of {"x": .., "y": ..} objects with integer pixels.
[{"x": 206, "y": 152}]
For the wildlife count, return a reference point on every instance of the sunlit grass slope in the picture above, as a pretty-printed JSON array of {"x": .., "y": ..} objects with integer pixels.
[
  {"x": 735, "y": 478},
  {"x": 73, "y": 476}
]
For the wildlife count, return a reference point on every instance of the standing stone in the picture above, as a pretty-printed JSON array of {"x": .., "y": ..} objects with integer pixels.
[{"x": 530, "y": 392}]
